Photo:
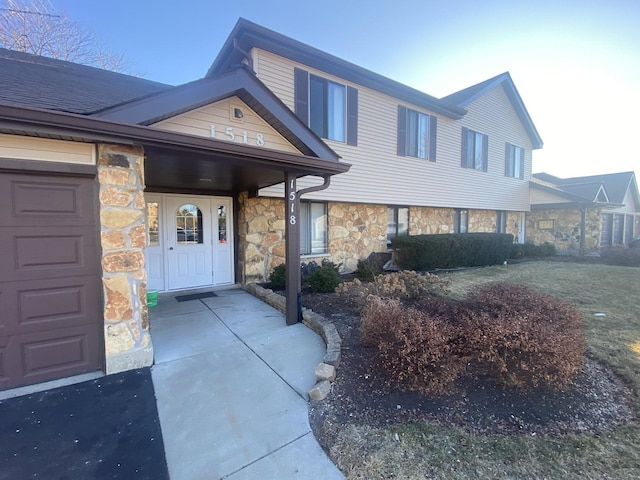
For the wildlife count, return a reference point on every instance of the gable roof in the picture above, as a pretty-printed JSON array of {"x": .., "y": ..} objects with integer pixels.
[
  {"x": 616, "y": 184},
  {"x": 247, "y": 35},
  {"x": 466, "y": 96},
  {"x": 593, "y": 191},
  {"x": 40, "y": 82},
  {"x": 612, "y": 186},
  {"x": 235, "y": 82}
]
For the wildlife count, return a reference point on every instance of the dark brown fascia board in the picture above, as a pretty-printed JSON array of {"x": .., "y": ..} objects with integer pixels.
[
  {"x": 556, "y": 206},
  {"x": 509, "y": 86},
  {"x": 559, "y": 206},
  {"x": 250, "y": 35},
  {"x": 98, "y": 129},
  {"x": 238, "y": 82}
]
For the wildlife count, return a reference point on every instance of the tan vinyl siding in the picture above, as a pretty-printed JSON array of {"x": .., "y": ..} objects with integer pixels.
[
  {"x": 629, "y": 205},
  {"x": 199, "y": 122},
  {"x": 378, "y": 175},
  {"x": 45, "y": 150},
  {"x": 539, "y": 197}
]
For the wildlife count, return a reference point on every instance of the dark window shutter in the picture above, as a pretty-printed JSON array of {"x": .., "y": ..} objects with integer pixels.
[
  {"x": 433, "y": 134},
  {"x": 485, "y": 153},
  {"x": 507, "y": 160},
  {"x": 402, "y": 130},
  {"x": 301, "y": 93},
  {"x": 352, "y": 116},
  {"x": 521, "y": 163},
  {"x": 465, "y": 135}
]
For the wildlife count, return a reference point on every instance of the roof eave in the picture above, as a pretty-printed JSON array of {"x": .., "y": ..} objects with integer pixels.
[
  {"x": 239, "y": 82},
  {"x": 249, "y": 35},
  {"x": 96, "y": 129}
]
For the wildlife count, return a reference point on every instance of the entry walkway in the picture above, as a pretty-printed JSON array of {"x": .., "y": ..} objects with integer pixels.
[{"x": 231, "y": 381}]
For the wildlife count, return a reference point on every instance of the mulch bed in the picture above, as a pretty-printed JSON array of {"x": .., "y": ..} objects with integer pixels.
[{"x": 361, "y": 395}]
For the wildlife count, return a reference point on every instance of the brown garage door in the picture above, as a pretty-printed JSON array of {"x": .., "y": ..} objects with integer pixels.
[{"x": 50, "y": 315}]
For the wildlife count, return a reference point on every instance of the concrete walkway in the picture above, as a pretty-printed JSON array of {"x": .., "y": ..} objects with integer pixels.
[{"x": 231, "y": 381}]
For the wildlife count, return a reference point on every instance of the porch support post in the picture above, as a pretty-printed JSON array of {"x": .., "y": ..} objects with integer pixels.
[
  {"x": 292, "y": 250},
  {"x": 583, "y": 228}
]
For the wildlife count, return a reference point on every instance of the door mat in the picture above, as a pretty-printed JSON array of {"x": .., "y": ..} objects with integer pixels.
[
  {"x": 195, "y": 296},
  {"x": 106, "y": 428}
]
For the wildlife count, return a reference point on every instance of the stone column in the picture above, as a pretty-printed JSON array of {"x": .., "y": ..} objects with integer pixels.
[{"x": 123, "y": 237}]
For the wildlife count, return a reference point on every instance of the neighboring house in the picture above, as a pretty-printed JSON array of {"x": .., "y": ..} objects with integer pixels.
[
  {"x": 111, "y": 185},
  {"x": 583, "y": 214}
]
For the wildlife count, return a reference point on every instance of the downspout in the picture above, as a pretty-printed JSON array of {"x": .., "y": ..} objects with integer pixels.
[
  {"x": 244, "y": 53},
  {"x": 292, "y": 245}
]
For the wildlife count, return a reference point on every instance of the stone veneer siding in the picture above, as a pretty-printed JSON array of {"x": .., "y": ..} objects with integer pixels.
[
  {"x": 123, "y": 240},
  {"x": 567, "y": 225},
  {"x": 355, "y": 231},
  {"x": 430, "y": 220}
]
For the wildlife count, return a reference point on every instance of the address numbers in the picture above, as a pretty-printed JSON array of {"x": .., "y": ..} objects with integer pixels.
[{"x": 228, "y": 133}]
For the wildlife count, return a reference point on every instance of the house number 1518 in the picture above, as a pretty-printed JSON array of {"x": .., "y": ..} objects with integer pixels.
[
  {"x": 242, "y": 137},
  {"x": 292, "y": 203}
]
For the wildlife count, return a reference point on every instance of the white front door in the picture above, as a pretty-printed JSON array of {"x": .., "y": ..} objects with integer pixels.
[
  {"x": 189, "y": 247},
  {"x": 190, "y": 242},
  {"x": 222, "y": 241}
]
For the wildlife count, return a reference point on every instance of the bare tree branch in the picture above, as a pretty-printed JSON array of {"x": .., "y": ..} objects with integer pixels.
[{"x": 33, "y": 26}]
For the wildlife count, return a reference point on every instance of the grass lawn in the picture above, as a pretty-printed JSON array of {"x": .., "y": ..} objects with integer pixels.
[{"x": 428, "y": 451}]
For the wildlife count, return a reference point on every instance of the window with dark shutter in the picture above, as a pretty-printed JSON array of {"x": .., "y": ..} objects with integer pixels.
[
  {"x": 417, "y": 133},
  {"x": 301, "y": 94},
  {"x": 475, "y": 150},
  {"x": 402, "y": 130},
  {"x": 328, "y": 108},
  {"x": 352, "y": 116},
  {"x": 514, "y": 161}
]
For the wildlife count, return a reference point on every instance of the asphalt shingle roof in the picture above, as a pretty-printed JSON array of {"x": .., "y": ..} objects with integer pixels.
[
  {"x": 40, "y": 82},
  {"x": 615, "y": 184}
]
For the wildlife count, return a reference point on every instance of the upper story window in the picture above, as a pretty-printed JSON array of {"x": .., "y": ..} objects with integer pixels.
[
  {"x": 416, "y": 134},
  {"x": 514, "y": 161},
  {"x": 397, "y": 222},
  {"x": 475, "y": 150},
  {"x": 329, "y": 108}
]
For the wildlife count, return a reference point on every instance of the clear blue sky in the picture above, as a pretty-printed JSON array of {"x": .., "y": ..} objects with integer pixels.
[{"x": 576, "y": 63}]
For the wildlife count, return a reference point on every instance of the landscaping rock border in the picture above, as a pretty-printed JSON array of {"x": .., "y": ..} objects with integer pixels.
[{"x": 318, "y": 324}]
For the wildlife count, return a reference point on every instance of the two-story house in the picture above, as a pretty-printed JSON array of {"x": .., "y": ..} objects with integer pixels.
[
  {"x": 418, "y": 164},
  {"x": 112, "y": 185}
]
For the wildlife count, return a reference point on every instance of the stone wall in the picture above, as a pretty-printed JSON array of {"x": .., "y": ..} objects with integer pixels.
[
  {"x": 355, "y": 231},
  {"x": 567, "y": 226},
  {"x": 427, "y": 220},
  {"x": 261, "y": 237},
  {"x": 482, "y": 221},
  {"x": 513, "y": 225},
  {"x": 123, "y": 239}
]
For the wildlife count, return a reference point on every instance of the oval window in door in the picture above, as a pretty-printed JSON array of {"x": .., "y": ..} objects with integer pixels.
[{"x": 189, "y": 225}]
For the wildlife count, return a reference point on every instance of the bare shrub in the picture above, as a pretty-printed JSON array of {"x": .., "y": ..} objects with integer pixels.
[
  {"x": 402, "y": 285},
  {"x": 523, "y": 338},
  {"x": 624, "y": 257},
  {"x": 417, "y": 349}
]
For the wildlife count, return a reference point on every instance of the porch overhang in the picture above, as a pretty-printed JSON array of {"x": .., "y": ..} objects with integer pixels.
[{"x": 174, "y": 160}]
